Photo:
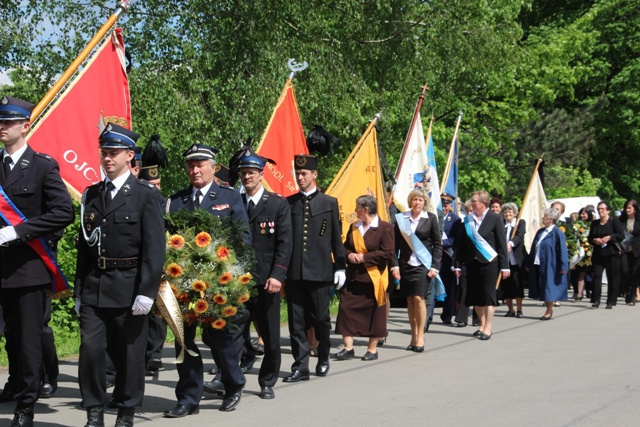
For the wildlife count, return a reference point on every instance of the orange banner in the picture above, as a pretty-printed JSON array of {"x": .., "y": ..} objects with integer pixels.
[
  {"x": 69, "y": 130},
  {"x": 282, "y": 139}
]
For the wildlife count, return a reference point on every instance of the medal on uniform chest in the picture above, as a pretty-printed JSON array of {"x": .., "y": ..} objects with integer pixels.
[
  {"x": 262, "y": 226},
  {"x": 271, "y": 225}
]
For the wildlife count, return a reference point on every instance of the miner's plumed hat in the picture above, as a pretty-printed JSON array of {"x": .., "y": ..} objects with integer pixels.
[
  {"x": 154, "y": 157},
  {"x": 114, "y": 136},
  {"x": 305, "y": 161},
  {"x": 15, "y": 109},
  {"x": 200, "y": 152}
]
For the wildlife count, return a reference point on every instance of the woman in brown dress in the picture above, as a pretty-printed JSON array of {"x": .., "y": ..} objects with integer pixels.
[{"x": 369, "y": 247}]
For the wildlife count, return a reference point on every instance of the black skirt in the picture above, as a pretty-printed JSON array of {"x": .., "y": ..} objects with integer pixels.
[{"x": 414, "y": 281}]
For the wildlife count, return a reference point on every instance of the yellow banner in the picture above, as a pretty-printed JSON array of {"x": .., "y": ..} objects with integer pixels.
[{"x": 361, "y": 176}]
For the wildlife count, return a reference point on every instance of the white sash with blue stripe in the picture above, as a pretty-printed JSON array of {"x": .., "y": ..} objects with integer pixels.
[
  {"x": 481, "y": 245},
  {"x": 420, "y": 250}
]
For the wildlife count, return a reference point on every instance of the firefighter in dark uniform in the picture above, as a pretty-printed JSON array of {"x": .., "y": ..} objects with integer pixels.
[
  {"x": 317, "y": 238},
  {"x": 121, "y": 252},
  {"x": 31, "y": 181},
  {"x": 222, "y": 201},
  {"x": 271, "y": 237}
]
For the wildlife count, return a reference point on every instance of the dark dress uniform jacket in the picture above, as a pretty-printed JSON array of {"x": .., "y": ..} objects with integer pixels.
[
  {"x": 318, "y": 236},
  {"x": 132, "y": 226},
  {"x": 36, "y": 189},
  {"x": 273, "y": 250}
]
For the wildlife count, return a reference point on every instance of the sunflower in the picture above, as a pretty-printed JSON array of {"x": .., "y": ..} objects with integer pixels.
[
  {"x": 203, "y": 239},
  {"x": 174, "y": 270},
  {"x": 219, "y": 299},
  {"x": 223, "y": 253},
  {"x": 229, "y": 311},
  {"x": 246, "y": 278},
  {"x": 199, "y": 286},
  {"x": 201, "y": 306},
  {"x": 219, "y": 323},
  {"x": 225, "y": 279},
  {"x": 243, "y": 298},
  {"x": 176, "y": 241}
]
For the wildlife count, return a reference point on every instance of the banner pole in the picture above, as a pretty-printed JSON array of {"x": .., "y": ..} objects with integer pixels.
[{"x": 122, "y": 7}]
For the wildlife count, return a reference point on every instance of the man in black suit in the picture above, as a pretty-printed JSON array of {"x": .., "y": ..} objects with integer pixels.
[
  {"x": 224, "y": 202},
  {"x": 121, "y": 253},
  {"x": 271, "y": 234},
  {"x": 451, "y": 225},
  {"x": 317, "y": 237},
  {"x": 482, "y": 247},
  {"x": 31, "y": 181}
]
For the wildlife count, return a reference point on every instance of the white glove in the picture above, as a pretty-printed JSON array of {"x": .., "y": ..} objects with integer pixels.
[
  {"x": 339, "y": 277},
  {"x": 78, "y": 306},
  {"x": 7, "y": 234},
  {"x": 142, "y": 305}
]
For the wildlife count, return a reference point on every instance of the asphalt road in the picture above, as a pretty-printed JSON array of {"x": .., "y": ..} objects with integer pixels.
[{"x": 579, "y": 369}]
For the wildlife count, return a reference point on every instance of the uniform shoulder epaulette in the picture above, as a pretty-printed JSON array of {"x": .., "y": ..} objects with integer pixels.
[
  {"x": 226, "y": 187},
  {"x": 145, "y": 183},
  {"x": 43, "y": 155},
  {"x": 278, "y": 195},
  {"x": 180, "y": 194}
]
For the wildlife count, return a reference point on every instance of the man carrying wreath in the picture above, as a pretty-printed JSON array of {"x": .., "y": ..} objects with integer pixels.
[{"x": 224, "y": 202}]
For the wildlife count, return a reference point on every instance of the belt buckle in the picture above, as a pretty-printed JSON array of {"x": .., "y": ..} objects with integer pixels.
[{"x": 102, "y": 263}]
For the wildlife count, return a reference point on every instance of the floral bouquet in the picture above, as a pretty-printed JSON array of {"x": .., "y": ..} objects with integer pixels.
[
  {"x": 581, "y": 229},
  {"x": 207, "y": 267},
  {"x": 574, "y": 251}
]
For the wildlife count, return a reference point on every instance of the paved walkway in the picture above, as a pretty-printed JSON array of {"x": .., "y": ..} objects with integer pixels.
[{"x": 579, "y": 369}]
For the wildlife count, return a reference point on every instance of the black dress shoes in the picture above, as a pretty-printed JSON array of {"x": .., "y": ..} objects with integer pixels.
[
  {"x": 546, "y": 318},
  {"x": 214, "y": 386},
  {"x": 154, "y": 364},
  {"x": 23, "y": 416},
  {"x": 230, "y": 402},
  {"x": 296, "y": 376},
  {"x": 266, "y": 392},
  {"x": 95, "y": 417},
  {"x": 477, "y": 333},
  {"x": 460, "y": 324},
  {"x": 247, "y": 366},
  {"x": 345, "y": 354},
  {"x": 368, "y": 356},
  {"x": 608, "y": 307},
  {"x": 6, "y": 395},
  {"x": 213, "y": 370},
  {"x": 411, "y": 347},
  {"x": 595, "y": 305},
  {"x": 322, "y": 369},
  {"x": 484, "y": 337},
  {"x": 180, "y": 411},
  {"x": 519, "y": 314},
  {"x": 510, "y": 314},
  {"x": 48, "y": 389},
  {"x": 417, "y": 349},
  {"x": 125, "y": 417}
]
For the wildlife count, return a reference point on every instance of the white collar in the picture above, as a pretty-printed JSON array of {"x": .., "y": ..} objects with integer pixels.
[
  {"x": 204, "y": 190},
  {"x": 256, "y": 197},
  {"x": 310, "y": 192},
  {"x": 15, "y": 156},
  {"x": 119, "y": 181}
]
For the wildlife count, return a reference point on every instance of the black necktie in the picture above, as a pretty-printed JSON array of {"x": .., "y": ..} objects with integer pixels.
[
  {"x": 196, "y": 201},
  {"x": 7, "y": 166},
  {"x": 251, "y": 208},
  {"x": 107, "y": 194}
]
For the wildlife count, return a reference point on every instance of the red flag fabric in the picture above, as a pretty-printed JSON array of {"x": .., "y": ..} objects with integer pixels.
[
  {"x": 69, "y": 130},
  {"x": 282, "y": 139}
]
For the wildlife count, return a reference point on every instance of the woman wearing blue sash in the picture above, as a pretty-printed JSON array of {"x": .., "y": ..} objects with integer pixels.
[
  {"x": 419, "y": 244},
  {"x": 482, "y": 248}
]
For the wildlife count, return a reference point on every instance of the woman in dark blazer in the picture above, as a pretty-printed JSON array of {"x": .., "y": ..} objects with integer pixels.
[
  {"x": 548, "y": 263},
  {"x": 605, "y": 235},
  {"x": 416, "y": 278},
  {"x": 482, "y": 248},
  {"x": 630, "y": 219},
  {"x": 369, "y": 246},
  {"x": 513, "y": 286}
]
